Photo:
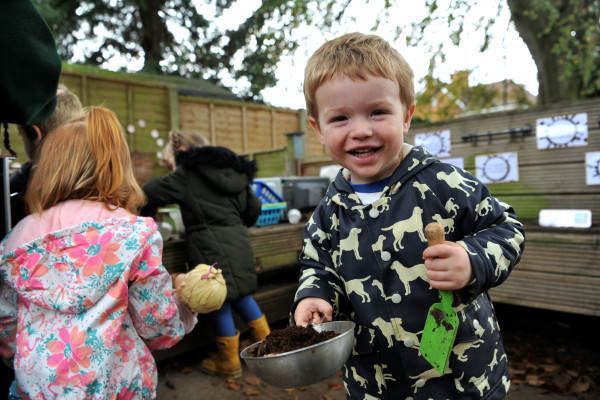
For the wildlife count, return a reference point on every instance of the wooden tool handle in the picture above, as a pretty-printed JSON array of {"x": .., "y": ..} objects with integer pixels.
[{"x": 434, "y": 232}]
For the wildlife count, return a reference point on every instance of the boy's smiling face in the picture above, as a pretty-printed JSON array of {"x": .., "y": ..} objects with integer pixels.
[{"x": 362, "y": 125}]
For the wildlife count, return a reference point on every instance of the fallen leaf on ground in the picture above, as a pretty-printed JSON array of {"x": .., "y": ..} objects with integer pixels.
[
  {"x": 233, "y": 386},
  {"x": 581, "y": 386},
  {"x": 533, "y": 380},
  {"x": 251, "y": 392},
  {"x": 251, "y": 380},
  {"x": 550, "y": 368}
]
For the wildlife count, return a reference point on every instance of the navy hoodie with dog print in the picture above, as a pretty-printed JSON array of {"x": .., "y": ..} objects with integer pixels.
[{"x": 366, "y": 261}]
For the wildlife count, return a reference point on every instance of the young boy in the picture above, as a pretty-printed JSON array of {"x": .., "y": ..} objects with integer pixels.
[{"x": 365, "y": 256}]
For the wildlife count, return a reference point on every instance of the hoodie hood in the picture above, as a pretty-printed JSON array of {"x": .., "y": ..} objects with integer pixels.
[
  {"x": 416, "y": 159},
  {"x": 73, "y": 269},
  {"x": 225, "y": 170}
]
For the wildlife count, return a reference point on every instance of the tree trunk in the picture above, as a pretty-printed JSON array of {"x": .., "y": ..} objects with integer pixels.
[
  {"x": 554, "y": 85},
  {"x": 153, "y": 35}
]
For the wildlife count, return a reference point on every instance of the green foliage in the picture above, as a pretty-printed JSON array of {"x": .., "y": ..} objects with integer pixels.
[
  {"x": 572, "y": 26},
  {"x": 562, "y": 36},
  {"x": 153, "y": 29},
  {"x": 442, "y": 101},
  {"x": 174, "y": 38}
]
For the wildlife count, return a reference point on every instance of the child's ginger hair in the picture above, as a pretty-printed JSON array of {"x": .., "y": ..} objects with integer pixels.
[
  {"x": 86, "y": 158},
  {"x": 357, "y": 56}
]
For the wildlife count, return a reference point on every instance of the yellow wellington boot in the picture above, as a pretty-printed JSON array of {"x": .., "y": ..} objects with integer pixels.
[
  {"x": 259, "y": 328},
  {"x": 227, "y": 362}
]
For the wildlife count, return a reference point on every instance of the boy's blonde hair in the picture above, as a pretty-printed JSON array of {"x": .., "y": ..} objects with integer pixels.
[
  {"x": 68, "y": 106},
  {"x": 357, "y": 56},
  {"x": 86, "y": 158},
  {"x": 181, "y": 141}
]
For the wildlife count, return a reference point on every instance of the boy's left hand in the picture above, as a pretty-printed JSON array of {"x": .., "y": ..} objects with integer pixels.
[{"x": 448, "y": 266}]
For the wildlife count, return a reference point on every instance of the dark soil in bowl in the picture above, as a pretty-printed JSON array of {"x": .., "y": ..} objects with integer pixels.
[{"x": 290, "y": 338}]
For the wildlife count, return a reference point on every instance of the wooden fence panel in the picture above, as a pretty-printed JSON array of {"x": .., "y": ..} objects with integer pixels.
[
  {"x": 259, "y": 127},
  {"x": 148, "y": 112},
  {"x": 285, "y": 121},
  {"x": 560, "y": 269},
  {"x": 228, "y": 127},
  {"x": 110, "y": 94},
  {"x": 314, "y": 148},
  {"x": 548, "y": 178},
  {"x": 246, "y": 128},
  {"x": 271, "y": 163},
  {"x": 75, "y": 84},
  {"x": 193, "y": 115}
]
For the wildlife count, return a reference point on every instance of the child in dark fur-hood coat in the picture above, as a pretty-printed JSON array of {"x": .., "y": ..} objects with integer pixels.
[{"x": 211, "y": 184}]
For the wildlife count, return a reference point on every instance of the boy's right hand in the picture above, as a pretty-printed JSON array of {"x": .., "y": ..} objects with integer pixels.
[{"x": 312, "y": 309}]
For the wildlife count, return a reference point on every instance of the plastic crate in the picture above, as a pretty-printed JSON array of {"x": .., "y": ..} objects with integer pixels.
[
  {"x": 270, "y": 213},
  {"x": 272, "y": 204}
]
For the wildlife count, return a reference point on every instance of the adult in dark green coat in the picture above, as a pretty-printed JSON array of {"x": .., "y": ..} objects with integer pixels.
[
  {"x": 211, "y": 185},
  {"x": 29, "y": 74}
]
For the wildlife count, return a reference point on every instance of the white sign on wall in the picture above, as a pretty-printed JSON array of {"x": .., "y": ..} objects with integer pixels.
[
  {"x": 437, "y": 143},
  {"x": 592, "y": 168},
  {"x": 497, "y": 168},
  {"x": 562, "y": 131},
  {"x": 565, "y": 218}
]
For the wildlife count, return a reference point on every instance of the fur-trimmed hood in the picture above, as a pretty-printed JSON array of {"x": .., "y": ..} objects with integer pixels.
[
  {"x": 218, "y": 157},
  {"x": 226, "y": 170}
]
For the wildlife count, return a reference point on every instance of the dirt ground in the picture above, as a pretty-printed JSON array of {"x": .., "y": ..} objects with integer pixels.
[
  {"x": 182, "y": 379},
  {"x": 553, "y": 356}
]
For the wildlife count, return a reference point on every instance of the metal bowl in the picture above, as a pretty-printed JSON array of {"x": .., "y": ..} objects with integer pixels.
[{"x": 307, "y": 365}]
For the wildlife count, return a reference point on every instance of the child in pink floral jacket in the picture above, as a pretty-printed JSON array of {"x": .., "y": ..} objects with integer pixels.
[{"x": 84, "y": 295}]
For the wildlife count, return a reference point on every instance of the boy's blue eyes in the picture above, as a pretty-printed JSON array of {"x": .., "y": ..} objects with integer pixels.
[{"x": 344, "y": 118}]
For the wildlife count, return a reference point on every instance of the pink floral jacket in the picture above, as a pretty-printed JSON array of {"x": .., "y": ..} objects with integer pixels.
[{"x": 82, "y": 303}]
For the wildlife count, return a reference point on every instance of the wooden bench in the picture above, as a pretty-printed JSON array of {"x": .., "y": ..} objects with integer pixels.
[
  {"x": 274, "y": 246},
  {"x": 559, "y": 271}
]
